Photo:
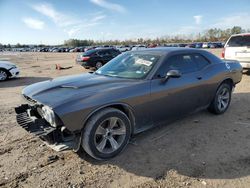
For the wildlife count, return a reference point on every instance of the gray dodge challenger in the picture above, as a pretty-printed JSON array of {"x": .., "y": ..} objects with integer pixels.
[{"x": 135, "y": 91}]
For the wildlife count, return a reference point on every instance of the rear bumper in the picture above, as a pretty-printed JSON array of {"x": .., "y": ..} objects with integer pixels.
[
  {"x": 54, "y": 137},
  {"x": 86, "y": 64}
]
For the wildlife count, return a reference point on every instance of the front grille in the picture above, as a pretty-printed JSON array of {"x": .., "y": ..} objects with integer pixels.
[
  {"x": 28, "y": 118},
  {"x": 39, "y": 127}
]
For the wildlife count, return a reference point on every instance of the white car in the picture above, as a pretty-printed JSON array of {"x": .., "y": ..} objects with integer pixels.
[
  {"x": 124, "y": 48},
  {"x": 238, "y": 48},
  {"x": 8, "y": 70},
  {"x": 139, "y": 47}
]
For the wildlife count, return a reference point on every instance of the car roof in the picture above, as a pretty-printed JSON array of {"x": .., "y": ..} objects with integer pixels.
[
  {"x": 166, "y": 50},
  {"x": 241, "y": 34},
  {"x": 103, "y": 48}
]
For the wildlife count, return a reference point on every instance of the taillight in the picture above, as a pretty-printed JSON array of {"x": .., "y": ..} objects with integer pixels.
[
  {"x": 85, "y": 58},
  {"x": 223, "y": 53}
]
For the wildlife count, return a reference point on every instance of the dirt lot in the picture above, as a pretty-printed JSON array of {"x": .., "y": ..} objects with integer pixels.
[{"x": 202, "y": 150}]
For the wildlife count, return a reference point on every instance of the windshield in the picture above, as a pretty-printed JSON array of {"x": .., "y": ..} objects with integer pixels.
[
  {"x": 239, "y": 41},
  {"x": 130, "y": 65}
]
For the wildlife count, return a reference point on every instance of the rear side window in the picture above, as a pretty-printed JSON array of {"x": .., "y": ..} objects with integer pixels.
[
  {"x": 114, "y": 52},
  {"x": 89, "y": 52},
  {"x": 239, "y": 41},
  {"x": 183, "y": 63},
  {"x": 104, "y": 53},
  {"x": 201, "y": 61}
]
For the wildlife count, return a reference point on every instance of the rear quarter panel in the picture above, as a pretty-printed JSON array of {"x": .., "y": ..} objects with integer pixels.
[{"x": 223, "y": 71}]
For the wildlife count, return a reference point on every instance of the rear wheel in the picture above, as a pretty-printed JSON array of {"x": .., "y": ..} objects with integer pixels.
[
  {"x": 106, "y": 134},
  {"x": 3, "y": 75},
  {"x": 222, "y": 99},
  {"x": 98, "y": 65}
]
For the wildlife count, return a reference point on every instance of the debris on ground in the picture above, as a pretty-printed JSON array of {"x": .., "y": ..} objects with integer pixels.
[
  {"x": 52, "y": 159},
  {"x": 59, "y": 67}
]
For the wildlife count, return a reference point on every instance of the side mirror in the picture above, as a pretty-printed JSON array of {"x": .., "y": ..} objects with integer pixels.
[{"x": 172, "y": 74}]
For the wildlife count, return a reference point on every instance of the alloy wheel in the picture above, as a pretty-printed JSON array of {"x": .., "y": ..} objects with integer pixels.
[
  {"x": 98, "y": 65},
  {"x": 223, "y": 99},
  {"x": 110, "y": 135},
  {"x": 3, "y": 75}
]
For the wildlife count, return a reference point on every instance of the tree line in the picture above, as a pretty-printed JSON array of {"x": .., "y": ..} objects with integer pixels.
[{"x": 210, "y": 35}]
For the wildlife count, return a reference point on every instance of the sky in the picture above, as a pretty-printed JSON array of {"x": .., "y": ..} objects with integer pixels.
[{"x": 53, "y": 21}]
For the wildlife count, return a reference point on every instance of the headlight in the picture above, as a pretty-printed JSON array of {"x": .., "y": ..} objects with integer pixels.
[{"x": 49, "y": 115}]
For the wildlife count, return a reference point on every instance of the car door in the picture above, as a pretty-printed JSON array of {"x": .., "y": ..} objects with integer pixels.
[
  {"x": 204, "y": 75},
  {"x": 175, "y": 97}
]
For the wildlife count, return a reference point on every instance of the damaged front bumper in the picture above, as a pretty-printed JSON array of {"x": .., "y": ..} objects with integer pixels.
[{"x": 58, "y": 138}]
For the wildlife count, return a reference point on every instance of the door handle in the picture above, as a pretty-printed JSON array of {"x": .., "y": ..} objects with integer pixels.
[{"x": 199, "y": 77}]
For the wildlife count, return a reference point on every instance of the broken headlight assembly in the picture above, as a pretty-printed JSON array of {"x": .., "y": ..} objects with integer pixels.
[{"x": 49, "y": 115}]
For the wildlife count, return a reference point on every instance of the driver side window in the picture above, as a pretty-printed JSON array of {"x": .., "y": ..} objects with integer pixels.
[{"x": 182, "y": 62}]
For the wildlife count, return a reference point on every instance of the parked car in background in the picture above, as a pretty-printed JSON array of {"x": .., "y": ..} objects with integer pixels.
[
  {"x": 89, "y": 48},
  {"x": 152, "y": 45},
  {"x": 134, "y": 92},
  {"x": 8, "y": 70},
  {"x": 55, "y": 50},
  {"x": 238, "y": 48},
  {"x": 190, "y": 45},
  {"x": 96, "y": 58},
  {"x": 124, "y": 48},
  {"x": 182, "y": 45},
  {"x": 206, "y": 45},
  {"x": 218, "y": 44},
  {"x": 198, "y": 45},
  {"x": 139, "y": 47}
]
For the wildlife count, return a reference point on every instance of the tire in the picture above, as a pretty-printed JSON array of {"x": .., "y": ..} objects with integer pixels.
[
  {"x": 4, "y": 75},
  {"x": 98, "y": 65},
  {"x": 106, "y": 134},
  {"x": 222, "y": 99}
]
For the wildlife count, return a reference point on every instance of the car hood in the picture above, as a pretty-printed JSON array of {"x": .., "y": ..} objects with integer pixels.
[
  {"x": 6, "y": 63},
  {"x": 61, "y": 90}
]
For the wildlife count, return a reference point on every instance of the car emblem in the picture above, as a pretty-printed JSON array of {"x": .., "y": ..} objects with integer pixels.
[{"x": 228, "y": 66}]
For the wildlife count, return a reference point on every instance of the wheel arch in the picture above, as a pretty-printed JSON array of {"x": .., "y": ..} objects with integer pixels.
[
  {"x": 125, "y": 108},
  {"x": 229, "y": 81}
]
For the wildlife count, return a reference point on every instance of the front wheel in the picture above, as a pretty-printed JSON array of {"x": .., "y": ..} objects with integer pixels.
[
  {"x": 3, "y": 75},
  {"x": 222, "y": 99},
  {"x": 106, "y": 134}
]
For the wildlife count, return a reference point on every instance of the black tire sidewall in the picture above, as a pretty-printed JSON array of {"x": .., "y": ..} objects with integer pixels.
[{"x": 89, "y": 133}]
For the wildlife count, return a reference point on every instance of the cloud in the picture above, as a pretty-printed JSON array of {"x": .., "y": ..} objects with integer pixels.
[
  {"x": 97, "y": 18},
  {"x": 198, "y": 19},
  {"x": 69, "y": 24},
  {"x": 33, "y": 23},
  {"x": 57, "y": 17},
  {"x": 233, "y": 20},
  {"x": 108, "y": 5}
]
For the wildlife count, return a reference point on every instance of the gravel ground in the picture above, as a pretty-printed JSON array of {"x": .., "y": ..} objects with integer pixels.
[{"x": 202, "y": 150}]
